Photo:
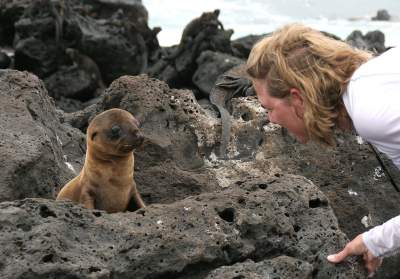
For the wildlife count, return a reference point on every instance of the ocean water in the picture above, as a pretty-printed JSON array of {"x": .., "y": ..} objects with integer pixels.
[{"x": 246, "y": 17}]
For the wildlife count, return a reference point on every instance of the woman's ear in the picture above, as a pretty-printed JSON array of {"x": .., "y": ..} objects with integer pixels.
[{"x": 297, "y": 102}]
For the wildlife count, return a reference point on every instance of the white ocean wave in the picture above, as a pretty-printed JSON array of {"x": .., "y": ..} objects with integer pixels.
[{"x": 247, "y": 17}]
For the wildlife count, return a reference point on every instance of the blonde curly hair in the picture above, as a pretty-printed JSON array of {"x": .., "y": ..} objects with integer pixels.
[{"x": 320, "y": 67}]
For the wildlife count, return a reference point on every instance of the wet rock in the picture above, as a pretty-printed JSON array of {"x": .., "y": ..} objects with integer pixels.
[
  {"x": 360, "y": 195},
  {"x": 382, "y": 15},
  {"x": 209, "y": 108},
  {"x": 177, "y": 130},
  {"x": 69, "y": 105},
  {"x": 348, "y": 174},
  {"x": 247, "y": 133},
  {"x": 171, "y": 118},
  {"x": 356, "y": 39},
  {"x": 376, "y": 41},
  {"x": 373, "y": 41},
  {"x": 241, "y": 47},
  {"x": 36, "y": 56},
  {"x": 32, "y": 141},
  {"x": 79, "y": 118},
  {"x": 210, "y": 66},
  {"x": 10, "y": 12},
  {"x": 116, "y": 49},
  {"x": 203, "y": 33},
  {"x": 72, "y": 83},
  {"x": 115, "y": 35},
  {"x": 106, "y": 8},
  {"x": 279, "y": 267},
  {"x": 261, "y": 219},
  {"x": 5, "y": 60},
  {"x": 126, "y": 22}
]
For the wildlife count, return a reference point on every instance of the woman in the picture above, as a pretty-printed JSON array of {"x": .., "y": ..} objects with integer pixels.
[{"x": 312, "y": 84}]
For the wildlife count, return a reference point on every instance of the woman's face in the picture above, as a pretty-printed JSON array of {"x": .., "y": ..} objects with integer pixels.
[{"x": 287, "y": 112}]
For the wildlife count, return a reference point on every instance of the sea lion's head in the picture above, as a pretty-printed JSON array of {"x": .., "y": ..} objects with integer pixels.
[{"x": 114, "y": 132}]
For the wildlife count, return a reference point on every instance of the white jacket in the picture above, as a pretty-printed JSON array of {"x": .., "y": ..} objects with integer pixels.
[{"x": 372, "y": 101}]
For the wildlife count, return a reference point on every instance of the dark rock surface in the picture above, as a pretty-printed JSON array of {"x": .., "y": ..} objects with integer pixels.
[
  {"x": 241, "y": 47},
  {"x": 263, "y": 213},
  {"x": 177, "y": 131},
  {"x": 5, "y": 60},
  {"x": 382, "y": 15},
  {"x": 115, "y": 35},
  {"x": 267, "y": 223},
  {"x": 36, "y": 56},
  {"x": 350, "y": 176},
  {"x": 210, "y": 66},
  {"x": 177, "y": 65},
  {"x": 260, "y": 219},
  {"x": 106, "y": 8},
  {"x": 262, "y": 148},
  {"x": 10, "y": 12},
  {"x": 72, "y": 83},
  {"x": 373, "y": 41},
  {"x": 178, "y": 161},
  {"x": 32, "y": 140},
  {"x": 279, "y": 267}
]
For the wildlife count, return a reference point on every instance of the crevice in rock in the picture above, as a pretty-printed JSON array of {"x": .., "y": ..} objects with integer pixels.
[
  {"x": 263, "y": 186},
  {"x": 94, "y": 269},
  {"x": 227, "y": 214},
  {"x": 49, "y": 258},
  {"x": 193, "y": 271},
  {"x": 46, "y": 212},
  {"x": 97, "y": 213},
  {"x": 317, "y": 202},
  {"x": 31, "y": 112}
]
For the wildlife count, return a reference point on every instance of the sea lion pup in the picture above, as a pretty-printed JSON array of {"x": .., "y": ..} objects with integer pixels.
[{"x": 106, "y": 179}]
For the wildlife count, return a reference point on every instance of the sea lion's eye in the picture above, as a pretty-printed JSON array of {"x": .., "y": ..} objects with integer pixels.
[
  {"x": 94, "y": 135},
  {"x": 115, "y": 132}
]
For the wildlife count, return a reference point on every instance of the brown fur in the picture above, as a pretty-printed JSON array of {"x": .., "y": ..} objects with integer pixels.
[{"x": 106, "y": 180}]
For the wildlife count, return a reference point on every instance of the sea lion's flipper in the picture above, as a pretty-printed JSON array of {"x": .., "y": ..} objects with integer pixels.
[
  {"x": 88, "y": 199},
  {"x": 136, "y": 201}
]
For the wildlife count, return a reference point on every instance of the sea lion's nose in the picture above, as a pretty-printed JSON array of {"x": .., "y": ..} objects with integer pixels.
[
  {"x": 136, "y": 137},
  {"x": 139, "y": 137}
]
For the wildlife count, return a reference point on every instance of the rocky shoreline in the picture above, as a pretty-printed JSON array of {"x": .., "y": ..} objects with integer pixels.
[{"x": 271, "y": 208}]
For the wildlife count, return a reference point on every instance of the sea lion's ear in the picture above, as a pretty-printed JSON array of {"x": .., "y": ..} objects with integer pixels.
[{"x": 94, "y": 135}]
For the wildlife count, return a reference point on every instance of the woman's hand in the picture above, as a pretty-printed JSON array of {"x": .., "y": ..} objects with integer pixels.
[{"x": 358, "y": 247}]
